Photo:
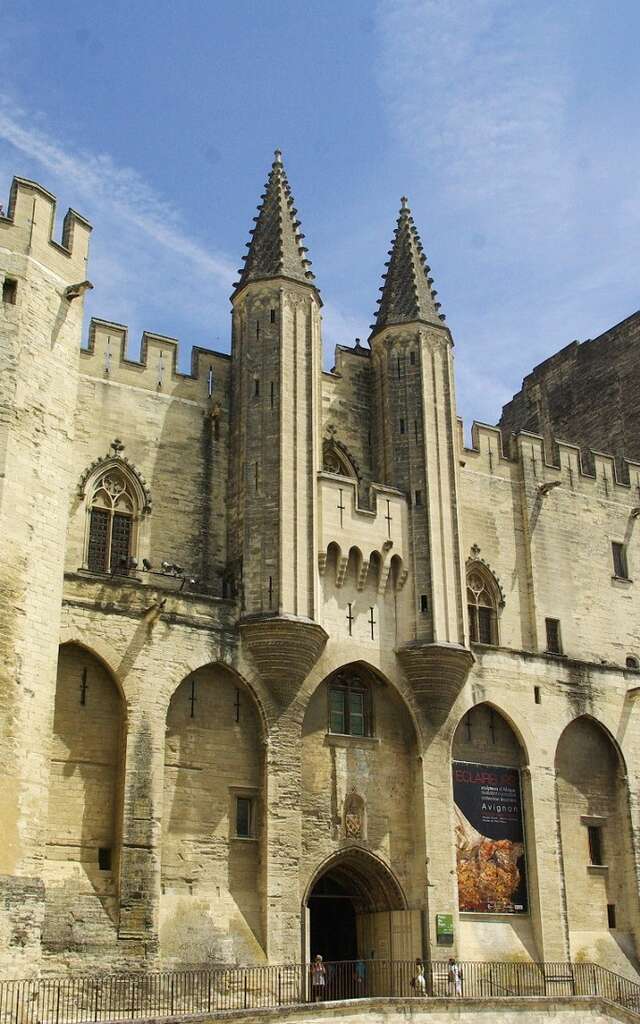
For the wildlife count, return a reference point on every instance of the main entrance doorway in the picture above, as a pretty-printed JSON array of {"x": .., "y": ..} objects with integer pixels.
[{"x": 355, "y": 909}]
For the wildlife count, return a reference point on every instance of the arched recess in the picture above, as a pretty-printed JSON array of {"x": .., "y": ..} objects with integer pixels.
[
  {"x": 337, "y": 459},
  {"x": 360, "y": 758},
  {"x": 490, "y": 809},
  {"x": 85, "y": 803},
  {"x": 349, "y": 906},
  {"x": 213, "y": 829},
  {"x": 597, "y": 855}
]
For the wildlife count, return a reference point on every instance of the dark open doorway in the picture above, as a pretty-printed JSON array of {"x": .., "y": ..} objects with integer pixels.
[{"x": 332, "y": 919}]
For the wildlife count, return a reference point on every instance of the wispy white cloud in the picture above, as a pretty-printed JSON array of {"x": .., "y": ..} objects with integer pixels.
[
  {"x": 533, "y": 190},
  {"x": 96, "y": 178},
  {"x": 149, "y": 271}
]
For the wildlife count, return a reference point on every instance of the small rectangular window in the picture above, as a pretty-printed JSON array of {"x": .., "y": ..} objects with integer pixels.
[
  {"x": 104, "y": 858},
  {"x": 424, "y": 604},
  {"x": 537, "y": 695},
  {"x": 256, "y": 386},
  {"x": 595, "y": 844},
  {"x": 9, "y": 291},
  {"x": 619, "y": 560},
  {"x": 273, "y": 316},
  {"x": 418, "y": 500},
  {"x": 611, "y": 915},
  {"x": 244, "y": 817},
  {"x": 402, "y": 426},
  {"x": 553, "y": 636},
  {"x": 412, "y": 358}
]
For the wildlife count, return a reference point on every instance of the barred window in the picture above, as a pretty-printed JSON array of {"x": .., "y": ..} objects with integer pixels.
[
  {"x": 482, "y": 603},
  {"x": 112, "y": 514}
]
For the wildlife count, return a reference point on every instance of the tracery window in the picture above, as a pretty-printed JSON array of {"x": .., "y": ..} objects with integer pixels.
[
  {"x": 336, "y": 460},
  {"x": 350, "y": 706},
  {"x": 113, "y": 511},
  {"x": 482, "y": 603}
]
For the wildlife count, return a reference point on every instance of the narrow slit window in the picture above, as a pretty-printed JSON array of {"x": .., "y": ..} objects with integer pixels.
[
  {"x": 595, "y": 844},
  {"x": 554, "y": 645},
  {"x": 402, "y": 426},
  {"x": 256, "y": 388},
  {"x": 418, "y": 499},
  {"x": 244, "y": 817},
  {"x": 104, "y": 858},
  {"x": 424, "y": 604},
  {"x": 537, "y": 695},
  {"x": 273, "y": 316},
  {"x": 272, "y": 393},
  {"x": 611, "y": 915},
  {"x": 412, "y": 358},
  {"x": 619, "y": 555},
  {"x": 9, "y": 291}
]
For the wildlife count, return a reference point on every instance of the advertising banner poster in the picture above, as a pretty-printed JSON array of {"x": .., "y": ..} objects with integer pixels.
[{"x": 489, "y": 839}]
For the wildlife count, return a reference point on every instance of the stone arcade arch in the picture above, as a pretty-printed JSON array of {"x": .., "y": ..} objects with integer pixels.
[
  {"x": 213, "y": 829},
  {"x": 595, "y": 835},
  {"x": 354, "y": 907},
  {"x": 363, "y": 817},
  {"x": 85, "y": 803},
  {"x": 490, "y": 813}
]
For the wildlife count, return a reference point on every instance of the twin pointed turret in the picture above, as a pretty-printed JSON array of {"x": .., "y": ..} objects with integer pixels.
[
  {"x": 407, "y": 292},
  {"x": 276, "y": 248}
]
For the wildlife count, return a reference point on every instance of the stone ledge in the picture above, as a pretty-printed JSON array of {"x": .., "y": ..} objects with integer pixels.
[{"x": 503, "y": 1010}]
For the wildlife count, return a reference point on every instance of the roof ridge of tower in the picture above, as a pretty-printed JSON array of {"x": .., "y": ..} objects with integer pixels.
[
  {"x": 275, "y": 247},
  {"x": 407, "y": 293}
]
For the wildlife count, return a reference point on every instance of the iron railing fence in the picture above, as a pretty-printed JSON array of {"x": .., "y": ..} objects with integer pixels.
[{"x": 113, "y": 997}]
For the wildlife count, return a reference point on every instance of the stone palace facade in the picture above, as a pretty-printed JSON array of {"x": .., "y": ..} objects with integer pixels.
[{"x": 285, "y": 668}]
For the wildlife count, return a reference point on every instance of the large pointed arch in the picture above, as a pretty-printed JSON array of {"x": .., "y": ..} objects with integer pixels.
[{"x": 374, "y": 885}]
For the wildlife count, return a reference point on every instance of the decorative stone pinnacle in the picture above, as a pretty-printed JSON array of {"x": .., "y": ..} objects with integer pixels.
[
  {"x": 275, "y": 248},
  {"x": 406, "y": 295}
]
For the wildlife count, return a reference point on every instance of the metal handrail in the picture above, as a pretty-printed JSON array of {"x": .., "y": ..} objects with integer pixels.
[{"x": 93, "y": 998}]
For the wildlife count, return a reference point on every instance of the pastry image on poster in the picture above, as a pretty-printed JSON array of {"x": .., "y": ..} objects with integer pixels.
[{"x": 489, "y": 839}]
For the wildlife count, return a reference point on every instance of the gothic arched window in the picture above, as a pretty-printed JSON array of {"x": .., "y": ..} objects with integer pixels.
[
  {"x": 483, "y": 601},
  {"x": 113, "y": 515}
]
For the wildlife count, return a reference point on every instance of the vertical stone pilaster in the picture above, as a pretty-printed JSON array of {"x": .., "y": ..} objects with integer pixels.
[
  {"x": 284, "y": 838},
  {"x": 140, "y": 854},
  {"x": 547, "y": 898}
]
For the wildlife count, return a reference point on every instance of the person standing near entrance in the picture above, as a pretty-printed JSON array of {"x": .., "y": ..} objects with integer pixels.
[
  {"x": 455, "y": 977},
  {"x": 318, "y": 978},
  {"x": 418, "y": 982}
]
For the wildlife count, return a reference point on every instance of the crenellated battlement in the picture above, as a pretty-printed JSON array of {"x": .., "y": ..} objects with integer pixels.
[
  {"x": 28, "y": 227},
  {"x": 106, "y": 357},
  {"x": 565, "y": 464}
]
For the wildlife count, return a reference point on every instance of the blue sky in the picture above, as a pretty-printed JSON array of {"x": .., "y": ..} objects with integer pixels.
[{"x": 512, "y": 127}]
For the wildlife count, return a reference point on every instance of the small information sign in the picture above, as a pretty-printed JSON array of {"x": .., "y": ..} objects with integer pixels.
[{"x": 444, "y": 929}]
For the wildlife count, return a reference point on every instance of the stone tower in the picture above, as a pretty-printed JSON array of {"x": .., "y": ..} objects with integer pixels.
[
  {"x": 40, "y": 333},
  {"x": 276, "y": 368},
  {"x": 415, "y": 422}
]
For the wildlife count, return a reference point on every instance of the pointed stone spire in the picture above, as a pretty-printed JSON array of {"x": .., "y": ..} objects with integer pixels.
[
  {"x": 407, "y": 292},
  {"x": 276, "y": 248}
]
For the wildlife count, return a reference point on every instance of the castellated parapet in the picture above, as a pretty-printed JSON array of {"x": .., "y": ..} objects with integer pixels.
[{"x": 258, "y": 621}]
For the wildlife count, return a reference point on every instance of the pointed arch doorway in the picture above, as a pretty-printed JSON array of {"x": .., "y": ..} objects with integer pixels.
[{"x": 354, "y": 908}]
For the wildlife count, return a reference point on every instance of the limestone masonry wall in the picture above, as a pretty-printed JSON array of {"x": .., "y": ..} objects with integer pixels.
[{"x": 261, "y": 590}]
